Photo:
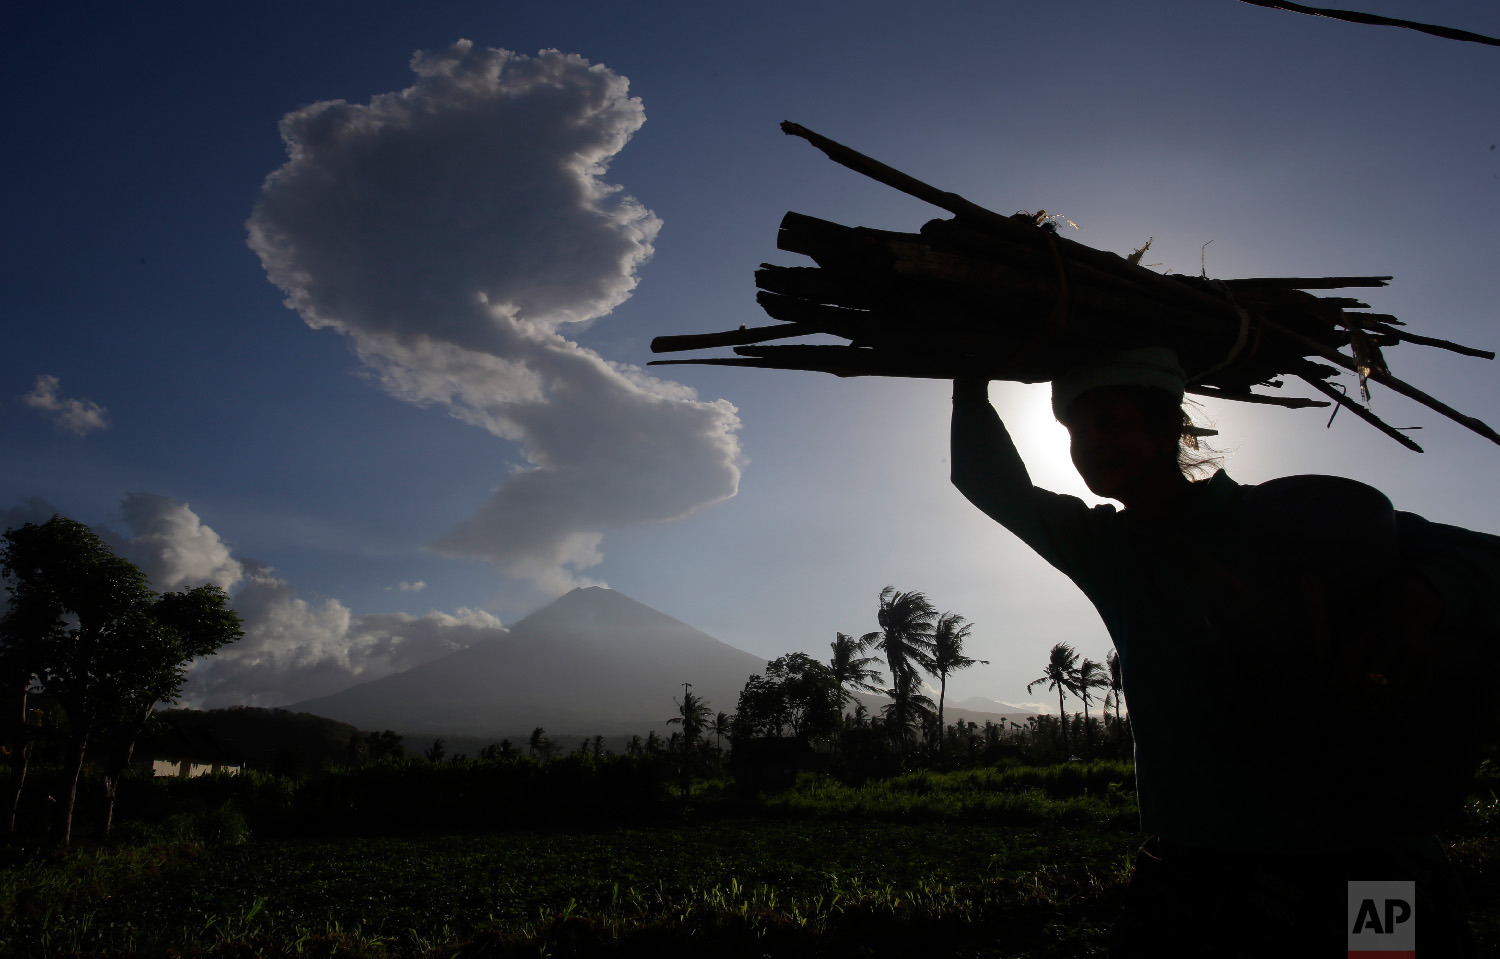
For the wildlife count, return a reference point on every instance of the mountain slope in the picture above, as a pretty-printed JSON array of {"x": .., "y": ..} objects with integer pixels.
[{"x": 593, "y": 663}]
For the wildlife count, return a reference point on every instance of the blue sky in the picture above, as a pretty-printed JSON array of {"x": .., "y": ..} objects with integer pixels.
[{"x": 404, "y": 441}]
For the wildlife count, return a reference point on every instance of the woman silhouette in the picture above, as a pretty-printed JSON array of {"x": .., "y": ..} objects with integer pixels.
[{"x": 1207, "y": 582}]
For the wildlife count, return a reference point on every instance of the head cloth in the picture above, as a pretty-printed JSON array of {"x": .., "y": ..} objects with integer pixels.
[{"x": 1153, "y": 366}]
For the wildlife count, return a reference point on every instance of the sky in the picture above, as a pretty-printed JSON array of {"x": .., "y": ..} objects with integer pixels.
[{"x": 346, "y": 307}]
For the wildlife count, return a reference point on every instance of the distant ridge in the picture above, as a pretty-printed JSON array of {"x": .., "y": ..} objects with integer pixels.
[{"x": 595, "y": 662}]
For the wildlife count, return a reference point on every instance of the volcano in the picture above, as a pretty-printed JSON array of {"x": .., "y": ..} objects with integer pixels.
[{"x": 595, "y": 662}]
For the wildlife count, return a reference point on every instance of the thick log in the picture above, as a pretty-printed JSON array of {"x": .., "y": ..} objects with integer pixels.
[
  {"x": 824, "y": 286},
  {"x": 828, "y": 242},
  {"x": 1022, "y": 229},
  {"x": 818, "y": 317},
  {"x": 1008, "y": 298}
]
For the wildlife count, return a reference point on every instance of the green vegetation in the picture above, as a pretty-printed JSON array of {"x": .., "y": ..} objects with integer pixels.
[
  {"x": 821, "y": 870},
  {"x": 895, "y": 836},
  {"x": 84, "y": 624},
  {"x": 1003, "y": 861}
]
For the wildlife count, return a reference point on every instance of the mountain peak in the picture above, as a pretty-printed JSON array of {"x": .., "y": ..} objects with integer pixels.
[{"x": 595, "y": 661}]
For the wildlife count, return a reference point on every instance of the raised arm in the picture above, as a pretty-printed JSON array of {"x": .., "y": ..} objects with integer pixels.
[
  {"x": 986, "y": 467},
  {"x": 988, "y": 470}
]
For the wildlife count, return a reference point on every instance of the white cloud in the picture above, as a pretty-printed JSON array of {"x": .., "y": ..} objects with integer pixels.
[
  {"x": 74, "y": 415},
  {"x": 294, "y": 649},
  {"x": 450, "y": 230},
  {"x": 415, "y": 587},
  {"x": 173, "y": 547}
]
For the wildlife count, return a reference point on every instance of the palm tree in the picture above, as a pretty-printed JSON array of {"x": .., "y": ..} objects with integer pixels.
[
  {"x": 1091, "y": 676},
  {"x": 539, "y": 743},
  {"x": 948, "y": 656},
  {"x": 722, "y": 725},
  {"x": 1116, "y": 681},
  {"x": 692, "y": 714},
  {"x": 1062, "y": 668},
  {"x": 905, "y": 637},
  {"x": 852, "y": 670},
  {"x": 909, "y": 708}
]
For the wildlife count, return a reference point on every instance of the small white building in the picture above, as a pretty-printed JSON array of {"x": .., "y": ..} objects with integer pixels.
[{"x": 188, "y": 769}]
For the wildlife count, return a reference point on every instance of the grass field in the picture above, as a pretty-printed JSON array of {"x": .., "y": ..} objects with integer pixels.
[
  {"x": 738, "y": 887},
  {"x": 963, "y": 864}
]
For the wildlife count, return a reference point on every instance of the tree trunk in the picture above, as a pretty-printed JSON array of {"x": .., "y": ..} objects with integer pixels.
[
  {"x": 942, "y": 694},
  {"x": 1088, "y": 743},
  {"x": 112, "y": 775},
  {"x": 1062, "y": 715},
  {"x": 20, "y": 761},
  {"x": 76, "y": 770}
]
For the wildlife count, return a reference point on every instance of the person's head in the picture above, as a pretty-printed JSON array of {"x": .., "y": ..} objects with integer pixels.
[{"x": 1130, "y": 436}]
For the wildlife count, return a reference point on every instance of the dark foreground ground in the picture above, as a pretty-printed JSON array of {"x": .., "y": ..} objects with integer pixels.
[{"x": 935, "y": 865}]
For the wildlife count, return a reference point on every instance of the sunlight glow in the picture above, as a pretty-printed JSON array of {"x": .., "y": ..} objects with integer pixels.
[{"x": 1026, "y": 409}]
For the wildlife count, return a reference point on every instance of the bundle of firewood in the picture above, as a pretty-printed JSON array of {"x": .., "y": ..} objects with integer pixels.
[{"x": 1007, "y": 297}]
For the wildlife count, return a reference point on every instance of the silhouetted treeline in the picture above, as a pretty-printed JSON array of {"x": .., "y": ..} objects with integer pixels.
[
  {"x": 274, "y": 740},
  {"x": 412, "y": 796}
]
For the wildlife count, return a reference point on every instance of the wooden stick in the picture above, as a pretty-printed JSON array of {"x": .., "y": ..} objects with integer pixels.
[
  {"x": 1386, "y": 379},
  {"x": 892, "y": 177},
  {"x": 1290, "y": 402},
  {"x": 1360, "y": 411},
  {"x": 739, "y": 337},
  {"x": 1355, "y": 16},
  {"x": 1308, "y": 283},
  {"x": 1404, "y": 336}
]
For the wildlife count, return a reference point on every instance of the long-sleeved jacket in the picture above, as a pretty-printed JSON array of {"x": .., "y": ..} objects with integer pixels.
[{"x": 1236, "y": 746}]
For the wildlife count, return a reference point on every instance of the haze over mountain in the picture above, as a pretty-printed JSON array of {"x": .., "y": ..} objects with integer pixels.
[{"x": 595, "y": 662}]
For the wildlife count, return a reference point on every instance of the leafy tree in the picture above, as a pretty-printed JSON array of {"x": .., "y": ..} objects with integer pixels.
[
  {"x": 905, "y": 637},
  {"x": 384, "y": 745},
  {"x": 852, "y": 670},
  {"x": 1091, "y": 676},
  {"x": 796, "y": 693},
  {"x": 1061, "y": 675},
  {"x": 948, "y": 637},
  {"x": 85, "y": 623},
  {"x": 198, "y": 622},
  {"x": 435, "y": 752}
]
